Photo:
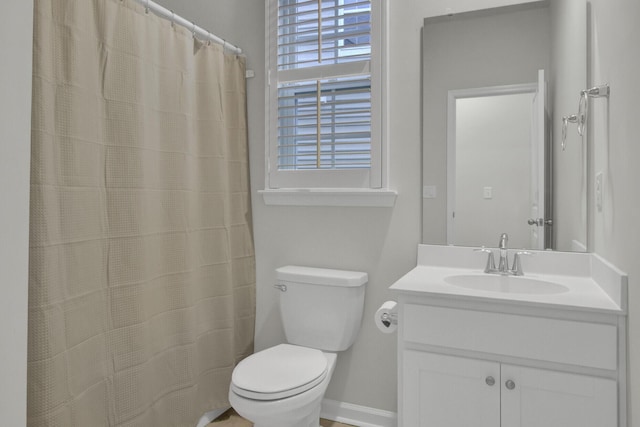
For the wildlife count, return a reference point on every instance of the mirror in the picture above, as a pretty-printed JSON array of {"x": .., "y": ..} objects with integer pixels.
[{"x": 490, "y": 166}]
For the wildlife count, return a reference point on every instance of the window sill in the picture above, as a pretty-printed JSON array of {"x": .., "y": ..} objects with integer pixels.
[{"x": 352, "y": 197}]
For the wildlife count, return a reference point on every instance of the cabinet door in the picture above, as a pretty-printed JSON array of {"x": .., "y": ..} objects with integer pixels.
[
  {"x": 540, "y": 398},
  {"x": 447, "y": 391}
]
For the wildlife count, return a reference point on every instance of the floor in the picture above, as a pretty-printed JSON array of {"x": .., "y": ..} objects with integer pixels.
[{"x": 231, "y": 419}]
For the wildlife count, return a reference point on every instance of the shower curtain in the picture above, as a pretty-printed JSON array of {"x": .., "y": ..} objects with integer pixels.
[{"x": 142, "y": 268}]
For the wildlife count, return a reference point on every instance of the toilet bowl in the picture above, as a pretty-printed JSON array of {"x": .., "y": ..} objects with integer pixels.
[
  {"x": 283, "y": 386},
  {"x": 295, "y": 400}
]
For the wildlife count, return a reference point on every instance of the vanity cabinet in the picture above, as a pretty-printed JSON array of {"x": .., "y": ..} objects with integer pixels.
[
  {"x": 487, "y": 365},
  {"x": 548, "y": 349},
  {"x": 451, "y": 391}
]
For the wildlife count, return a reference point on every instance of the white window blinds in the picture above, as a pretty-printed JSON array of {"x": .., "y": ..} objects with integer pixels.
[
  {"x": 325, "y": 124},
  {"x": 323, "y": 86},
  {"x": 317, "y": 32}
]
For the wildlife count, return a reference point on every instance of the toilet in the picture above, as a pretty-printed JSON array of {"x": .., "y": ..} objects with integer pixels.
[{"x": 321, "y": 311}]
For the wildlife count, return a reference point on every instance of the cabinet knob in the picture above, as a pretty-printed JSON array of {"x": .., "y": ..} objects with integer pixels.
[
  {"x": 490, "y": 380},
  {"x": 510, "y": 385}
]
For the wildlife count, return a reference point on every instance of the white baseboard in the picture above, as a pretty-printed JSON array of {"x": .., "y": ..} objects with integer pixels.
[{"x": 360, "y": 416}]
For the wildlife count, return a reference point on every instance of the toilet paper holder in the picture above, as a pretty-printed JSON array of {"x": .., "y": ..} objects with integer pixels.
[
  {"x": 389, "y": 319},
  {"x": 386, "y": 317}
]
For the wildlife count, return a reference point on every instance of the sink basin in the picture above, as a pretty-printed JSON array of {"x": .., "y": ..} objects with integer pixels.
[{"x": 505, "y": 284}]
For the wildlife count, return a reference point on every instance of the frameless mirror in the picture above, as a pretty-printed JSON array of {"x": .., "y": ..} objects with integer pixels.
[{"x": 496, "y": 84}]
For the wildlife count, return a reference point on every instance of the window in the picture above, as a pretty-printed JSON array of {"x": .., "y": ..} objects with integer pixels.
[{"x": 324, "y": 92}]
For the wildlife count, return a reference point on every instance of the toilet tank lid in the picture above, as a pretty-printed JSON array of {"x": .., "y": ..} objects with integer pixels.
[{"x": 321, "y": 276}]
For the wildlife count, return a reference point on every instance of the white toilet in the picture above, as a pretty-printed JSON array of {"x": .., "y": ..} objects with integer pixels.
[{"x": 283, "y": 386}]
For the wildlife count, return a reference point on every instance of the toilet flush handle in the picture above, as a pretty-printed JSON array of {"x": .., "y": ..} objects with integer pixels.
[{"x": 282, "y": 287}]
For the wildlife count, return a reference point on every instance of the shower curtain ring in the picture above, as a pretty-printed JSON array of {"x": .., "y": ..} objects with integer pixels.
[
  {"x": 193, "y": 30},
  {"x": 208, "y": 38},
  {"x": 146, "y": 7},
  {"x": 173, "y": 19}
]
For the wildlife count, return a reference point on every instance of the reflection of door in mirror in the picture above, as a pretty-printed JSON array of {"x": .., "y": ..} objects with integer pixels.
[{"x": 495, "y": 165}]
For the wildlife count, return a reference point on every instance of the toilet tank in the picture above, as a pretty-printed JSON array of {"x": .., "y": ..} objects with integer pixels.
[{"x": 321, "y": 308}]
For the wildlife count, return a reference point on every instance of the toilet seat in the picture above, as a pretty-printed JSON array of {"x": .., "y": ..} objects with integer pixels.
[{"x": 279, "y": 372}]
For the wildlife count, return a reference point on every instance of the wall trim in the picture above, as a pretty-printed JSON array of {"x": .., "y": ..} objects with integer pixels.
[
  {"x": 361, "y": 416},
  {"x": 355, "y": 197}
]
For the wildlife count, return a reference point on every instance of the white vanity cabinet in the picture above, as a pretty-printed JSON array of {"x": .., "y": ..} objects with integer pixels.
[
  {"x": 484, "y": 365},
  {"x": 451, "y": 391},
  {"x": 547, "y": 349}
]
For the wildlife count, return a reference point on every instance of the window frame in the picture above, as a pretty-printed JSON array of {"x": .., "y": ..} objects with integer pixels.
[{"x": 362, "y": 178}]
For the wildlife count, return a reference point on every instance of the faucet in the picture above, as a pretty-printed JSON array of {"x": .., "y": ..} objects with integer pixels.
[{"x": 503, "y": 263}]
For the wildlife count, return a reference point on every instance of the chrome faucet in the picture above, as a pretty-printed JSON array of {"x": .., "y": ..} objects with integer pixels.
[{"x": 503, "y": 262}]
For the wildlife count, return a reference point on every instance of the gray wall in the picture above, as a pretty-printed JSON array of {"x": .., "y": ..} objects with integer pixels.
[
  {"x": 615, "y": 59},
  {"x": 471, "y": 51},
  {"x": 16, "y": 32}
]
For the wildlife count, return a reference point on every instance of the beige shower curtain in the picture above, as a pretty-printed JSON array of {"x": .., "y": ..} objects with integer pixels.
[{"x": 142, "y": 271}]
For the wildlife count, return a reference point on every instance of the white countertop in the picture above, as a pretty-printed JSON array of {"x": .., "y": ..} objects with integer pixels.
[
  {"x": 583, "y": 292},
  {"x": 593, "y": 284}
]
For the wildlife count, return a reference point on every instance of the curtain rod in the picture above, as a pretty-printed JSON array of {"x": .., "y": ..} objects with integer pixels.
[{"x": 177, "y": 19}]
